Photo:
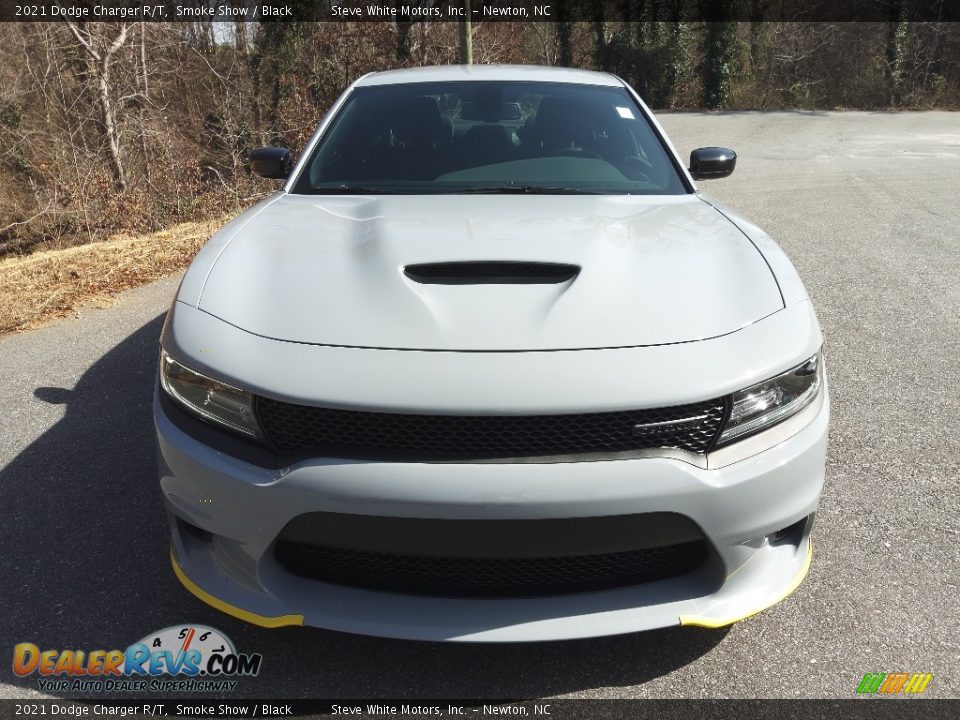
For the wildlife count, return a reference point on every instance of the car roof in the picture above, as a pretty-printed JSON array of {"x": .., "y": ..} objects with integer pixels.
[{"x": 453, "y": 73}]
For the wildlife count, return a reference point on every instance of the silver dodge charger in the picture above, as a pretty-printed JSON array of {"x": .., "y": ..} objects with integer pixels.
[{"x": 490, "y": 367}]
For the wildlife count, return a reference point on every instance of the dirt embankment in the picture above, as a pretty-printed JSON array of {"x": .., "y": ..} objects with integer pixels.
[{"x": 54, "y": 283}]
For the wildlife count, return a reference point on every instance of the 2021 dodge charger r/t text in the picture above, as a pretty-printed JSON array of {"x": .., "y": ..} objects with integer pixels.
[{"x": 490, "y": 368}]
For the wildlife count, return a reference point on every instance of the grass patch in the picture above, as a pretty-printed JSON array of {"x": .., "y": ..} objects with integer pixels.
[{"x": 55, "y": 283}]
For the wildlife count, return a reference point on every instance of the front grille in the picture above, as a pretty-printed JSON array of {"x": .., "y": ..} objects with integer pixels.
[
  {"x": 298, "y": 429},
  {"x": 489, "y": 577}
]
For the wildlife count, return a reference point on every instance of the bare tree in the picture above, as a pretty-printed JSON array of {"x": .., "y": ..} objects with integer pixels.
[
  {"x": 100, "y": 52},
  {"x": 107, "y": 127}
]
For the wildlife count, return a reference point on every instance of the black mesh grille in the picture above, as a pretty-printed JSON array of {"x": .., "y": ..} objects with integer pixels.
[
  {"x": 296, "y": 429},
  {"x": 477, "y": 577}
]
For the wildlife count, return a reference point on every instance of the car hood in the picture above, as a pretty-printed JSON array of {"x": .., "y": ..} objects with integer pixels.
[{"x": 330, "y": 270}]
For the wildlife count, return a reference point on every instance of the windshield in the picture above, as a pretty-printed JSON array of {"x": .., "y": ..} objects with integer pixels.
[{"x": 486, "y": 136}]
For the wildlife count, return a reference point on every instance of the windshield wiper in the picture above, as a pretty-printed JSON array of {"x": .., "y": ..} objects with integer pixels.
[
  {"x": 348, "y": 189},
  {"x": 518, "y": 189},
  {"x": 504, "y": 189}
]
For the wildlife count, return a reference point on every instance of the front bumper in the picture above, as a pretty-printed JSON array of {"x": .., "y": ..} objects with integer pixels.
[{"x": 240, "y": 509}]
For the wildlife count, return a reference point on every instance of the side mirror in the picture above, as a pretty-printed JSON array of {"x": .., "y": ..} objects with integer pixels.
[
  {"x": 271, "y": 162},
  {"x": 709, "y": 163}
]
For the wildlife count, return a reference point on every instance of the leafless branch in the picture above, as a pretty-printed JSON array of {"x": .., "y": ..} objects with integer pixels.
[{"x": 11, "y": 226}]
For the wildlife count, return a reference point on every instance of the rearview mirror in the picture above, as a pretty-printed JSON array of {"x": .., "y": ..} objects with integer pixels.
[
  {"x": 505, "y": 111},
  {"x": 271, "y": 162},
  {"x": 708, "y": 163}
]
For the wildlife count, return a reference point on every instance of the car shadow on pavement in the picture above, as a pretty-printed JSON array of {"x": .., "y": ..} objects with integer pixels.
[{"x": 85, "y": 566}]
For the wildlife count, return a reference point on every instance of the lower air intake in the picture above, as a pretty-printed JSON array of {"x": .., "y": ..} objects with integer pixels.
[{"x": 489, "y": 577}]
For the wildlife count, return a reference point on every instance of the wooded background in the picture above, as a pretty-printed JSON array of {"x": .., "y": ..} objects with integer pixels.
[{"x": 131, "y": 127}]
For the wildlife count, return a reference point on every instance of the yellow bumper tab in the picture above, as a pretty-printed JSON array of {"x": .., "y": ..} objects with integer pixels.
[
  {"x": 707, "y": 622},
  {"x": 246, "y": 615}
]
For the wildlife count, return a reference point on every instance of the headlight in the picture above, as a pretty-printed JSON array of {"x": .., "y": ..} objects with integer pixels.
[
  {"x": 772, "y": 401},
  {"x": 213, "y": 401}
]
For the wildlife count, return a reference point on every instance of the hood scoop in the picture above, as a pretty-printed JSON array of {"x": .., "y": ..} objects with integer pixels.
[{"x": 491, "y": 272}]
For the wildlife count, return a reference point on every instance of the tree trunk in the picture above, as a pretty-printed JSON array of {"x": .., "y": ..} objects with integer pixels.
[
  {"x": 564, "y": 31},
  {"x": 601, "y": 55},
  {"x": 719, "y": 57},
  {"x": 466, "y": 37},
  {"x": 403, "y": 25},
  {"x": 677, "y": 59},
  {"x": 109, "y": 126},
  {"x": 146, "y": 101},
  {"x": 895, "y": 51}
]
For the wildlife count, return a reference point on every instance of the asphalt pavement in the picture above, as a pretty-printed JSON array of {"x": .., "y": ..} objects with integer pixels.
[{"x": 866, "y": 205}]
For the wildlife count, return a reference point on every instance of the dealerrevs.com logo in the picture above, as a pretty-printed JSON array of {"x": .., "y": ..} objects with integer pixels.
[{"x": 179, "y": 658}]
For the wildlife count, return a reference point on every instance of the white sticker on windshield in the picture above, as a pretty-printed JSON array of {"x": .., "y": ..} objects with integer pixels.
[{"x": 625, "y": 113}]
